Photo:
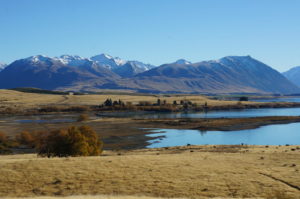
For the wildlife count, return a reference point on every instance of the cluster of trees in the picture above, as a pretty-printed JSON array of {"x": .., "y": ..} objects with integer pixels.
[
  {"x": 109, "y": 102},
  {"x": 72, "y": 141},
  {"x": 160, "y": 105}
]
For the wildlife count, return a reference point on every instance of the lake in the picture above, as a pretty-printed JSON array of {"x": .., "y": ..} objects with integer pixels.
[
  {"x": 279, "y": 134},
  {"x": 214, "y": 114},
  {"x": 278, "y": 99}
]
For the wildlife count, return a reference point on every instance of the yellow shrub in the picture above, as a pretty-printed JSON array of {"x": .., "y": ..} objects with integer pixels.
[{"x": 73, "y": 141}]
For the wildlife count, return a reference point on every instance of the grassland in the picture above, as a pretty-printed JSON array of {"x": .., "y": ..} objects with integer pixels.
[
  {"x": 27, "y": 100},
  {"x": 180, "y": 172}
]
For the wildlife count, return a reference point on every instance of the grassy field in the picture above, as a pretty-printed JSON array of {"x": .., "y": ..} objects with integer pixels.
[
  {"x": 178, "y": 172},
  {"x": 21, "y": 99}
]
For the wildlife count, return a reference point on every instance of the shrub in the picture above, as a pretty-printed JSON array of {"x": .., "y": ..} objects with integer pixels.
[
  {"x": 26, "y": 138},
  {"x": 73, "y": 141},
  {"x": 3, "y": 137},
  {"x": 82, "y": 117},
  {"x": 4, "y": 144},
  {"x": 243, "y": 98}
]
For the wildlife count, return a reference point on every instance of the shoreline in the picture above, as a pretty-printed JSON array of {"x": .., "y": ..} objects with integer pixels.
[
  {"x": 130, "y": 133},
  {"x": 219, "y": 124},
  {"x": 77, "y": 109}
]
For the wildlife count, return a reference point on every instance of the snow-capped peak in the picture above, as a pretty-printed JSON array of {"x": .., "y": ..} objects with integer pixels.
[
  {"x": 2, "y": 66},
  {"x": 72, "y": 60},
  {"x": 141, "y": 65},
  {"x": 182, "y": 61},
  {"x": 108, "y": 61},
  {"x": 38, "y": 58}
]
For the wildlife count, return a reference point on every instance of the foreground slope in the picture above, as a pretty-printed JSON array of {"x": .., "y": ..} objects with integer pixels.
[{"x": 179, "y": 172}]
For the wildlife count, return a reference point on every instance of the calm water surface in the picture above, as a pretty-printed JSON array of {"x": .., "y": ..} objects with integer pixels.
[
  {"x": 283, "y": 99},
  {"x": 266, "y": 135},
  {"x": 215, "y": 114}
]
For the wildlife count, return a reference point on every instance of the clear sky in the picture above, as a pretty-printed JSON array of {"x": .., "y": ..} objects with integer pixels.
[{"x": 153, "y": 31}]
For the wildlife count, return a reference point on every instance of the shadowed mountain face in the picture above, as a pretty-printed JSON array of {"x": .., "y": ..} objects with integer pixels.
[
  {"x": 227, "y": 75},
  {"x": 293, "y": 75},
  {"x": 52, "y": 73}
]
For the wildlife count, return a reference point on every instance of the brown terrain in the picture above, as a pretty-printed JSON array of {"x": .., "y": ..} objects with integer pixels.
[
  {"x": 239, "y": 171},
  {"x": 179, "y": 172}
]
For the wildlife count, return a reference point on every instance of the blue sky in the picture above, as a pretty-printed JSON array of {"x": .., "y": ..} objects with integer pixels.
[{"x": 153, "y": 31}]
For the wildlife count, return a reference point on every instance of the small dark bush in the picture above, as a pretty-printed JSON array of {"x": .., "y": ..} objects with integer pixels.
[
  {"x": 243, "y": 98},
  {"x": 82, "y": 117}
]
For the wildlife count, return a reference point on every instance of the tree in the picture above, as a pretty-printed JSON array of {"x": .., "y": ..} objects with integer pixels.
[
  {"x": 26, "y": 138},
  {"x": 244, "y": 98},
  {"x": 108, "y": 102},
  {"x": 174, "y": 102},
  {"x": 115, "y": 103},
  {"x": 158, "y": 102},
  {"x": 164, "y": 102},
  {"x": 3, "y": 137},
  {"x": 73, "y": 141},
  {"x": 121, "y": 103}
]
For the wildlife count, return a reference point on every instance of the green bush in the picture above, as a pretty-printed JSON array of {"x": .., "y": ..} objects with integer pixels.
[{"x": 73, "y": 141}]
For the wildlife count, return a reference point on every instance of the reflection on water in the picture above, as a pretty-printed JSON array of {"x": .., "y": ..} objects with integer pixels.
[
  {"x": 267, "y": 135},
  {"x": 283, "y": 99},
  {"x": 45, "y": 121},
  {"x": 213, "y": 114}
]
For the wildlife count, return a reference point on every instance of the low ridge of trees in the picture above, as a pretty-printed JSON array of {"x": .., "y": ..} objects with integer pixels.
[{"x": 161, "y": 105}]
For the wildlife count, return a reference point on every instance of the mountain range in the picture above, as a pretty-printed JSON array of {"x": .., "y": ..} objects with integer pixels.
[
  {"x": 231, "y": 74},
  {"x": 293, "y": 75}
]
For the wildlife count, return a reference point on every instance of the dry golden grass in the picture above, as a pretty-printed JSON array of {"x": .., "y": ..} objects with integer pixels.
[
  {"x": 99, "y": 197},
  {"x": 20, "y": 99},
  {"x": 178, "y": 172},
  {"x": 89, "y": 197}
]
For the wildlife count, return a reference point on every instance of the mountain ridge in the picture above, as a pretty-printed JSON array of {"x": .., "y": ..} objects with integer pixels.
[
  {"x": 229, "y": 74},
  {"x": 293, "y": 75}
]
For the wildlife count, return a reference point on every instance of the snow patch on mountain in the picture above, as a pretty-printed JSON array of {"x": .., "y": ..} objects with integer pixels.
[
  {"x": 108, "y": 61},
  {"x": 182, "y": 61},
  {"x": 73, "y": 60},
  {"x": 2, "y": 66},
  {"x": 38, "y": 58}
]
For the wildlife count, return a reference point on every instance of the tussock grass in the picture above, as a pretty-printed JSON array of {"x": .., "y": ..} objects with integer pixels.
[
  {"x": 176, "y": 172},
  {"x": 9, "y": 97},
  {"x": 105, "y": 197}
]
